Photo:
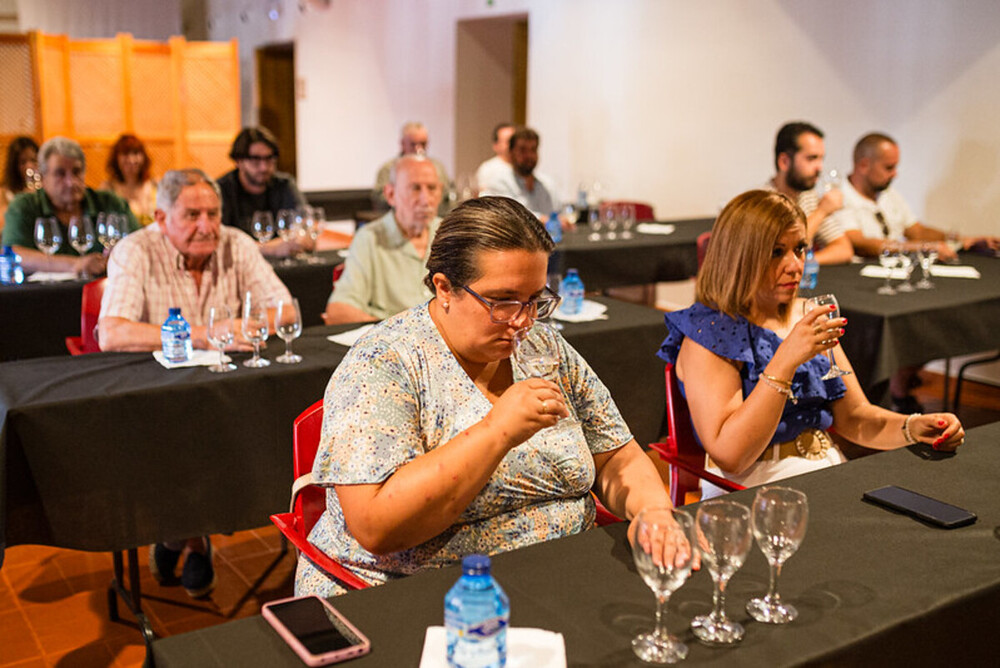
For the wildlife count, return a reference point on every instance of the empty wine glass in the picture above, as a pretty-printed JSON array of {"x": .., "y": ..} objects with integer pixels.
[
  {"x": 48, "y": 235},
  {"x": 626, "y": 219},
  {"x": 288, "y": 325},
  {"x": 828, "y": 180},
  {"x": 779, "y": 517},
  {"x": 888, "y": 259},
  {"x": 313, "y": 218},
  {"x": 570, "y": 214},
  {"x": 824, "y": 302},
  {"x": 288, "y": 226},
  {"x": 221, "y": 334},
  {"x": 906, "y": 263},
  {"x": 656, "y": 528},
  {"x": 111, "y": 228},
  {"x": 536, "y": 353},
  {"x": 928, "y": 255},
  {"x": 255, "y": 329},
  {"x": 609, "y": 213},
  {"x": 262, "y": 226},
  {"x": 723, "y": 536},
  {"x": 596, "y": 224},
  {"x": 81, "y": 234}
]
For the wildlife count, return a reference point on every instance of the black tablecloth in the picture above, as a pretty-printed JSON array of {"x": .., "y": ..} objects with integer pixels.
[
  {"x": 111, "y": 450},
  {"x": 645, "y": 258},
  {"x": 37, "y": 317},
  {"x": 959, "y": 316},
  {"x": 872, "y": 587}
]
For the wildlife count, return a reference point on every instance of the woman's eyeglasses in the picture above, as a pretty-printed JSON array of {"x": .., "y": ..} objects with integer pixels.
[{"x": 508, "y": 310}]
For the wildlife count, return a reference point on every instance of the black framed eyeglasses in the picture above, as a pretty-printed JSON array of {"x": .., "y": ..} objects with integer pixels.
[
  {"x": 508, "y": 310},
  {"x": 262, "y": 158}
]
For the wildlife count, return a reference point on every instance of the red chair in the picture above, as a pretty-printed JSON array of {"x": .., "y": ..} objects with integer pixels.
[
  {"x": 90, "y": 310},
  {"x": 702, "y": 242},
  {"x": 308, "y": 500},
  {"x": 604, "y": 516},
  {"x": 681, "y": 449},
  {"x": 643, "y": 211},
  {"x": 337, "y": 271}
]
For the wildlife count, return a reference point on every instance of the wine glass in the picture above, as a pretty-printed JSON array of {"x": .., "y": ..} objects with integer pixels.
[
  {"x": 570, "y": 214},
  {"x": 656, "y": 527},
  {"x": 828, "y": 180},
  {"x": 255, "y": 330},
  {"x": 536, "y": 353},
  {"x": 596, "y": 224},
  {"x": 824, "y": 301},
  {"x": 288, "y": 325},
  {"x": 312, "y": 222},
  {"x": 111, "y": 228},
  {"x": 262, "y": 226},
  {"x": 626, "y": 219},
  {"x": 779, "y": 517},
  {"x": 888, "y": 259},
  {"x": 221, "y": 334},
  {"x": 609, "y": 215},
  {"x": 723, "y": 536},
  {"x": 81, "y": 234},
  {"x": 906, "y": 263},
  {"x": 48, "y": 235},
  {"x": 928, "y": 255},
  {"x": 288, "y": 226}
]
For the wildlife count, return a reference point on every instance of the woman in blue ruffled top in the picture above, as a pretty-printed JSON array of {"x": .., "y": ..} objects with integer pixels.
[{"x": 750, "y": 362}]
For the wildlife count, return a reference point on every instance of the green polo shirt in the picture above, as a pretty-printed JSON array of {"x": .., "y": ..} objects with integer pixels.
[{"x": 19, "y": 225}]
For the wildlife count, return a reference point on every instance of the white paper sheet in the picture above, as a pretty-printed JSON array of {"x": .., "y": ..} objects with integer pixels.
[{"x": 526, "y": 648}]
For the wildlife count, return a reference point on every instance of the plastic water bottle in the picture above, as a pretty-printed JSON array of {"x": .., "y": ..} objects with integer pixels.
[
  {"x": 476, "y": 614},
  {"x": 11, "y": 272},
  {"x": 175, "y": 335},
  {"x": 554, "y": 227},
  {"x": 571, "y": 291},
  {"x": 810, "y": 272}
]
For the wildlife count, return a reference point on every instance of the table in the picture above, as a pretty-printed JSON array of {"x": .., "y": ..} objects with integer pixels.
[
  {"x": 37, "y": 317},
  {"x": 645, "y": 258},
  {"x": 959, "y": 317},
  {"x": 872, "y": 587},
  {"x": 108, "y": 451}
]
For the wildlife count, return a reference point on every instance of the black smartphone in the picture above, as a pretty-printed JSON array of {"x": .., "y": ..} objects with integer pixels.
[
  {"x": 315, "y": 630},
  {"x": 922, "y": 507}
]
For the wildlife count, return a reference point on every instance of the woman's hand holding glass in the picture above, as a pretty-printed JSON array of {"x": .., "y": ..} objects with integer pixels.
[
  {"x": 815, "y": 333},
  {"x": 827, "y": 305},
  {"x": 536, "y": 353},
  {"x": 525, "y": 408}
]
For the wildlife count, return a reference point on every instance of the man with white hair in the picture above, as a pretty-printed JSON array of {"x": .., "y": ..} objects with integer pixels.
[{"x": 413, "y": 140}]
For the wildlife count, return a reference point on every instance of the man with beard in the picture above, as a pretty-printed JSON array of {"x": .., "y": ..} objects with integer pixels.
[
  {"x": 386, "y": 263},
  {"x": 874, "y": 212},
  {"x": 256, "y": 185},
  {"x": 521, "y": 183},
  {"x": 798, "y": 161},
  {"x": 63, "y": 197}
]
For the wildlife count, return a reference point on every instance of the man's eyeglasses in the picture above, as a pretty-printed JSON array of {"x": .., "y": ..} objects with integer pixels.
[
  {"x": 262, "y": 158},
  {"x": 508, "y": 310}
]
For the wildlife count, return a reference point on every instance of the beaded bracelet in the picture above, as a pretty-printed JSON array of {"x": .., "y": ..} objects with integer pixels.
[
  {"x": 910, "y": 440},
  {"x": 782, "y": 386}
]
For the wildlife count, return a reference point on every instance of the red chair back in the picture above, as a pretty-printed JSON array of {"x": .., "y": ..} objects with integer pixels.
[
  {"x": 90, "y": 311},
  {"x": 311, "y": 501},
  {"x": 337, "y": 271},
  {"x": 702, "y": 242}
]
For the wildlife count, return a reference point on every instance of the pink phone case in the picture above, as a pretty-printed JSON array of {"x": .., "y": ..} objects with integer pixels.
[{"x": 310, "y": 659}]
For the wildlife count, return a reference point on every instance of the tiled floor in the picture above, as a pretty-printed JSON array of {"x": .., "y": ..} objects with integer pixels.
[{"x": 53, "y": 604}]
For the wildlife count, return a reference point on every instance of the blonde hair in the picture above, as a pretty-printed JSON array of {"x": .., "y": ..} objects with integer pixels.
[{"x": 739, "y": 253}]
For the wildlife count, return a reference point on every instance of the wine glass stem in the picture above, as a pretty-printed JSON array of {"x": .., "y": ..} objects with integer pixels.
[
  {"x": 772, "y": 590},
  {"x": 288, "y": 349},
  {"x": 719, "y": 600},
  {"x": 829, "y": 354},
  {"x": 256, "y": 351},
  {"x": 661, "y": 625},
  {"x": 222, "y": 356}
]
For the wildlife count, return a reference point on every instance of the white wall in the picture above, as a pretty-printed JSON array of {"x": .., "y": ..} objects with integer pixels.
[{"x": 675, "y": 102}]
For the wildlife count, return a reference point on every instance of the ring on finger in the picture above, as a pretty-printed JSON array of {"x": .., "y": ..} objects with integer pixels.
[{"x": 545, "y": 407}]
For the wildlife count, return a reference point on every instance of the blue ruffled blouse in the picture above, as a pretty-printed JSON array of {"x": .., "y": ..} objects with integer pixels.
[{"x": 740, "y": 340}]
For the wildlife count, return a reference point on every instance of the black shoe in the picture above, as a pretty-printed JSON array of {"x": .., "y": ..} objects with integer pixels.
[
  {"x": 907, "y": 404},
  {"x": 198, "y": 576},
  {"x": 163, "y": 563}
]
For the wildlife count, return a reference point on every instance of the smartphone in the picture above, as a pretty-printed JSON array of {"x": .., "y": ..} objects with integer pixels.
[
  {"x": 922, "y": 507},
  {"x": 315, "y": 630}
]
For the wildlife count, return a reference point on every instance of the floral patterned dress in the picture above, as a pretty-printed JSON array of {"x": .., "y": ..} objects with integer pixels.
[{"x": 400, "y": 393}]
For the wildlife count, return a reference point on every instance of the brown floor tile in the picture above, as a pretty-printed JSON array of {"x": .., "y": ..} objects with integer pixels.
[
  {"x": 127, "y": 651},
  {"x": 170, "y": 604},
  {"x": 75, "y": 621},
  {"x": 85, "y": 571},
  {"x": 94, "y": 654},
  {"x": 30, "y": 663},
  {"x": 278, "y": 583},
  {"x": 244, "y": 544},
  {"x": 40, "y": 583},
  {"x": 8, "y": 600},
  {"x": 17, "y": 643},
  {"x": 26, "y": 554}
]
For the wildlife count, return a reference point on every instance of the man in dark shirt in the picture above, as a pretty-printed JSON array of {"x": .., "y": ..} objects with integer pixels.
[{"x": 255, "y": 185}]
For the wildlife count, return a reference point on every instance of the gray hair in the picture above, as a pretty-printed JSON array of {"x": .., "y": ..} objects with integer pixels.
[
  {"x": 409, "y": 157},
  {"x": 174, "y": 181},
  {"x": 411, "y": 125},
  {"x": 63, "y": 146}
]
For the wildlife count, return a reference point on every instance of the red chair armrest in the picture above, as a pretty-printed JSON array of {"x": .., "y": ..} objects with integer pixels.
[
  {"x": 666, "y": 455},
  {"x": 286, "y": 525}
]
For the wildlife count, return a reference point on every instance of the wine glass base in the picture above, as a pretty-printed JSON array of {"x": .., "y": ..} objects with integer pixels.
[
  {"x": 716, "y": 632},
  {"x": 771, "y": 612},
  {"x": 258, "y": 363},
  {"x": 906, "y": 287},
  {"x": 222, "y": 368},
  {"x": 288, "y": 359},
  {"x": 314, "y": 259},
  {"x": 886, "y": 290},
  {"x": 653, "y": 649},
  {"x": 835, "y": 373},
  {"x": 924, "y": 284},
  {"x": 593, "y": 236}
]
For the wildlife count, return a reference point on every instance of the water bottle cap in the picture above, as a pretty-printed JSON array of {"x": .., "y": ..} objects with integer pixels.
[
  {"x": 571, "y": 272},
  {"x": 476, "y": 564},
  {"x": 174, "y": 311},
  {"x": 7, "y": 250}
]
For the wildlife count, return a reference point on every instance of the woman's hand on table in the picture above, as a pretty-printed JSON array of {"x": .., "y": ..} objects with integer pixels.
[
  {"x": 943, "y": 431},
  {"x": 525, "y": 408},
  {"x": 665, "y": 545}
]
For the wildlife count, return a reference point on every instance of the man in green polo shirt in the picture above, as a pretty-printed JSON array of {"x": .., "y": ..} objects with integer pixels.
[{"x": 63, "y": 196}]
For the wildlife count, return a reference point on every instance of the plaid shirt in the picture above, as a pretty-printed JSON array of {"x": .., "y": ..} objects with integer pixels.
[{"x": 146, "y": 277}]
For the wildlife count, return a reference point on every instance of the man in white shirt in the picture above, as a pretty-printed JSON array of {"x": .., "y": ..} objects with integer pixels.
[
  {"x": 521, "y": 183},
  {"x": 798, "y": 161},
  {"x": 875, "y": 213},
  {"x": 498, "y": 166}
]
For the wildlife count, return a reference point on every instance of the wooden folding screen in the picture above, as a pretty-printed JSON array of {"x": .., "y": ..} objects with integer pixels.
[{"x": 181, "y": 98}]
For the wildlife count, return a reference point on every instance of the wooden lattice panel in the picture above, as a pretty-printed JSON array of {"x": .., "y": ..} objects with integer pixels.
[
  {"x": 162, "y": 155},
  {"x": 152, "y": 88},
  {"x": 97, "y": 90},
  {"x": 212, "y": 157},
  {"x": 211, "y": 90},
  {"x": 52, "y": 73},
  {"x": 17, "y": 91},
  {"x": 96, "y": 153}
]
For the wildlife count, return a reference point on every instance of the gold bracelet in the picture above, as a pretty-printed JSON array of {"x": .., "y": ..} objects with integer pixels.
[
  {"x": 780, "y": 386},
  {"x": 910, "y": 440}
]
